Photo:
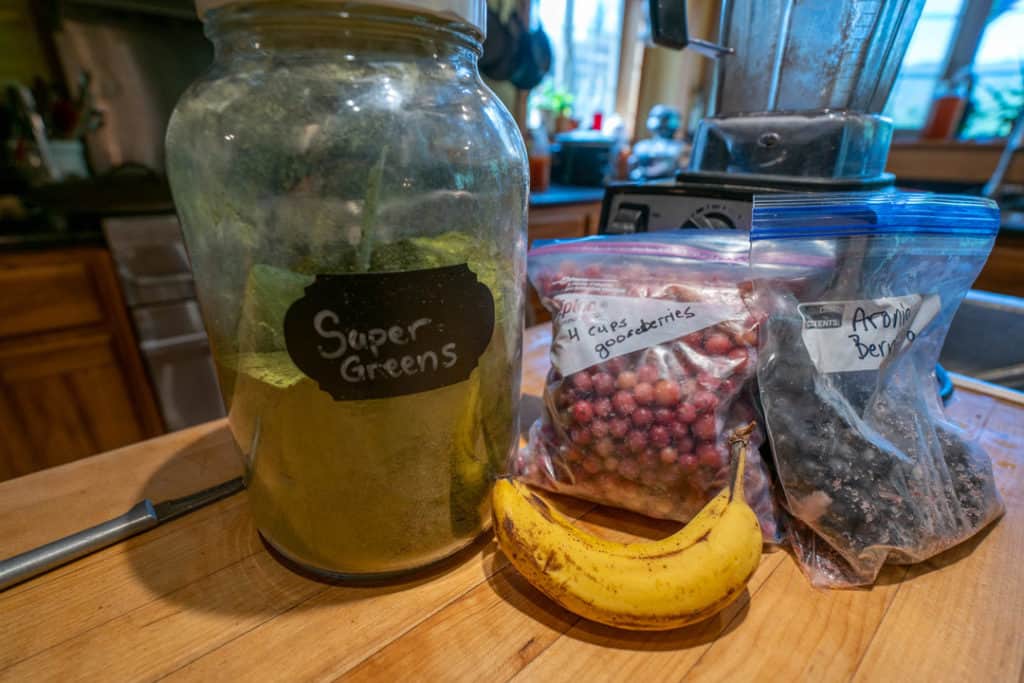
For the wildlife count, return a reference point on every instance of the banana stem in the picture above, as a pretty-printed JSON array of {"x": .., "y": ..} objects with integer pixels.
[{"x": 738, "y": 444}]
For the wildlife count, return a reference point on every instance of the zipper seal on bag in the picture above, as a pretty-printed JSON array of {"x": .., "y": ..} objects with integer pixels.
[
  {"x": 848, "y": 214},
  {"x": 664, "y": 244}
]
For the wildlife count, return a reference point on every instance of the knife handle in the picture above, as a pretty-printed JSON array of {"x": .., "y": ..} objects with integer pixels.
[{"x": 52, "y": 555}]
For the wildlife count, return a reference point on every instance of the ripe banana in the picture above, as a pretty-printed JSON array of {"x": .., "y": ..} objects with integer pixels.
[{"x": 650, "y": 586}]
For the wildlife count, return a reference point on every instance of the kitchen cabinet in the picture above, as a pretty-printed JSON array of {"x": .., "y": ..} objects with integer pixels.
[
  {"x": 71, "y": 380},
  {"x": 1004, "y": 270},
  {"x": 558, "y": 221}
]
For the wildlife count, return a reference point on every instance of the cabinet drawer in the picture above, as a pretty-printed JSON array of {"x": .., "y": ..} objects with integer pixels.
[{"x": 41, "y": 296}]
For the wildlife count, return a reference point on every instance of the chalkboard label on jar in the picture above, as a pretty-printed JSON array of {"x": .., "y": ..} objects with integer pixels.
[{"x": 378, "y": 335}]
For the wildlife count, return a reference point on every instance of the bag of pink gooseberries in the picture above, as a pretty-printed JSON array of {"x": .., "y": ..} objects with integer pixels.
[{"x": 653, "y": 355}]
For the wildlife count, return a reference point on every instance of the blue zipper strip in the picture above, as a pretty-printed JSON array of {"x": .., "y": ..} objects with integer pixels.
[{"x": 813, "y": 216}]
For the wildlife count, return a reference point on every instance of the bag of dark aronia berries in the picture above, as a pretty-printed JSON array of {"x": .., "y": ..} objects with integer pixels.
[
  {"x": 871, "y": 470},
  {"x": 652, "y": 357}
]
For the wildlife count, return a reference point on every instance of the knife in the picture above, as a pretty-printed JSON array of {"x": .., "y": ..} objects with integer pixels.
[{"x": 142, "y": 517}]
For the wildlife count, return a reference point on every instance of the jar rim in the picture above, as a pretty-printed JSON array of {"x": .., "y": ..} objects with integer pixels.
[{"x": 470, "y": 12}]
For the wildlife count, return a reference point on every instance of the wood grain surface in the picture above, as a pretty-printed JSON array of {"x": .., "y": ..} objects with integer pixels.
[{"x": 201, "y": 599}]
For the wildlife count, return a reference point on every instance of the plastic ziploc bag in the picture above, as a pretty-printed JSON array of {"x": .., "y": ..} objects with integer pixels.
[
  {"x": 870, "y": 468},
  {"x": 653, "y": 349}
]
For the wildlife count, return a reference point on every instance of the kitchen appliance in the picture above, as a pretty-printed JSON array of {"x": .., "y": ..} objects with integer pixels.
[
  {"x": 795, "y": 106},
  {"x": 582, "y": 158}
]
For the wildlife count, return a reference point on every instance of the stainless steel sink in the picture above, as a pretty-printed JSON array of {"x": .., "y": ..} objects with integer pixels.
[{"x": 986, "y": 339}]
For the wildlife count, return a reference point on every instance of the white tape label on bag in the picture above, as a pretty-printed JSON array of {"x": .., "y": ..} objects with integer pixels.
[
  {"x": 849, "y": 336},
  {"x": 594, "y": 328}
]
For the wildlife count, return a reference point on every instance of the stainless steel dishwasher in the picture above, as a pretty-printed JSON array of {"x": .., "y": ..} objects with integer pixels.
[{"x": 157, "y": 282}]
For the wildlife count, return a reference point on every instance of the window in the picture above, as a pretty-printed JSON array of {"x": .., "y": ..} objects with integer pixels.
[
  {"x": 979, "y": 38},
  {"x": 586, "y": 38},
  {"x": 924, "y": 63},
  {"x": 998, "y": 91}
]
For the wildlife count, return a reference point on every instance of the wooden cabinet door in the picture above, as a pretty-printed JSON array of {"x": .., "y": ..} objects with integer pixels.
[{"x": 63, "y": 397}]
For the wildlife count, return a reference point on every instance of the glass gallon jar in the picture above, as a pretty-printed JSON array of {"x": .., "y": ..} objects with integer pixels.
[{"x": 353, "y": 199}]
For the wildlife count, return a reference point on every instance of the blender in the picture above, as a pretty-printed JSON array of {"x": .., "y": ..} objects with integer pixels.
[{"x": 795, "y": 106}]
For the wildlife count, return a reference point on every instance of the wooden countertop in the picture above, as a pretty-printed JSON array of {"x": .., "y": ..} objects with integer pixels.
[{"x": 201, "y": 599}]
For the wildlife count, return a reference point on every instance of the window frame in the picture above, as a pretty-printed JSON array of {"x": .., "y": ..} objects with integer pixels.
[{"x": 963, "y": 48}]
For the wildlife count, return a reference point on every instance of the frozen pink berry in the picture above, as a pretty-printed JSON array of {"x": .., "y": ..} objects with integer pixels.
[
  {"x": 717, "y": 344},
  {"x": 582, "y": 412},
  {"x": 647, "y": 373},
  {"x": 604, "y": 447},
  {"x": 668, "y": 455},
  {"x": 599, "y": 428},
  {"x": 573, "y": 455},
  {"x": 694, "y": 339},
  {"x": 616, "y": 365},
  {"x": 709, "y": 455},
  {"x": 582, "y": 382},
  {"x": 602, "y": 407},
  {"x": 643, "y": 417},
  {"x": 624, "y": 403},
  {"x": 664, "y": 416},
  {"x": 611, "y": 464},
  {"x": 688, "y": 462},
  {"x": 636, "y": 441},
  {"x": 629, "y": 469},
  {"x": 667, "y": 393},
  {"x": 592, "y": 465},
  {"x": 684, "y": 444},
  {"x": 581, "y": 436},
  {"x": 704, "y": 401},
  {"x": 644, "y": 393},
  {"x": 618, "y": 427},
  {"x": 626, "y": 380},
  {"x": 687, "y": 413},
  {"x": 679, "y": 430},
  {"x": 648, "y": 458},
  {"x": 704, "y": 427},
  {"x": 658, "y": 435},
  {"x": 603, "y": 384}
]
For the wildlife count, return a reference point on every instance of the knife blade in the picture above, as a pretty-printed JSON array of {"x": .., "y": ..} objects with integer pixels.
[{"x": 143, "y": 516}]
